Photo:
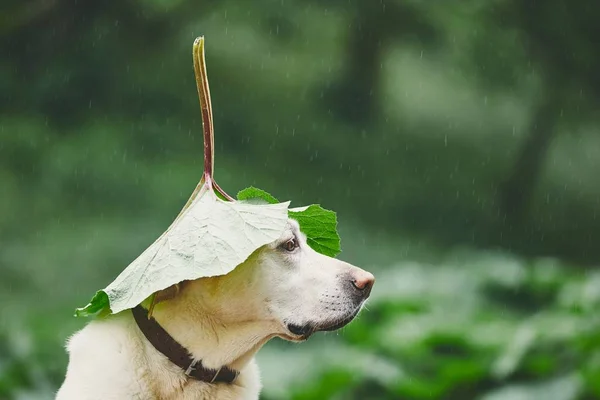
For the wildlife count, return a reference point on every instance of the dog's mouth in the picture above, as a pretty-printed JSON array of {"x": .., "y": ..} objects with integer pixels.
[{"x": 304, "y": 331}]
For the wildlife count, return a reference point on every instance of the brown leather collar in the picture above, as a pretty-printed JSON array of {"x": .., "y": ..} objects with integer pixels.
[{"x": 176, "y": 353}]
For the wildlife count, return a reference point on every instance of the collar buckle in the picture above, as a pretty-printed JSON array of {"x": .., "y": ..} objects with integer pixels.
[{"x": 191, "y": 367}]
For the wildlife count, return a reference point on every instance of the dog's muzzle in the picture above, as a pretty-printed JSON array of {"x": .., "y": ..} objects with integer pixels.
[{"x": 358, "y": 288}]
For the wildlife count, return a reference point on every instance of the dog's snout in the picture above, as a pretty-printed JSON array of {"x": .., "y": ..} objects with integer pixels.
[{"x": 363, "y": 281}]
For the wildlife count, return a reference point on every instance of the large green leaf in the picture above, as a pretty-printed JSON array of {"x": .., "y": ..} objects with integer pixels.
[{"x": 210, "y": 238}]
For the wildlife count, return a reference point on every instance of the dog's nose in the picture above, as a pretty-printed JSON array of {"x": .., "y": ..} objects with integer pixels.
[{"x": 363, "y": 281}]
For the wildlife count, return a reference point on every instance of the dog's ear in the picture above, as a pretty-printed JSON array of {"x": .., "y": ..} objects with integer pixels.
[{"x": 164, "y": 295}]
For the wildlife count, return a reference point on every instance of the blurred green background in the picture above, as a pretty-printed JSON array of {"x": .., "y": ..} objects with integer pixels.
[{"x": 459, "y": 142}]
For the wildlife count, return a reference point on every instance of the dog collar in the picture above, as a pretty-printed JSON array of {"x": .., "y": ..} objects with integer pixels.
[{"x": 176, "y": 353}]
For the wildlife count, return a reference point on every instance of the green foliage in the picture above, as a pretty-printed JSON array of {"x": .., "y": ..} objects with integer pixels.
[{"x": 443, "y": 332}]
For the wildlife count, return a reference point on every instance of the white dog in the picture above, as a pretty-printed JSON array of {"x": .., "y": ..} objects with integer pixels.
[{"x": 215, "y": 327}]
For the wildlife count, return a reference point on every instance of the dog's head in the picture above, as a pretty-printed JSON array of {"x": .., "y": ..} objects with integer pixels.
[
  {"x": 308, "y": 291},
  {"x": 288, "y": 285}
]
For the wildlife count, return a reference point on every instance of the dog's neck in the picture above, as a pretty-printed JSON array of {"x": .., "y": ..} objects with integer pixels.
[{"x": 211, "y": 339}]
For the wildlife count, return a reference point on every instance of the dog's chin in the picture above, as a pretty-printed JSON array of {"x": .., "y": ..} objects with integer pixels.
[{"x": 301, "y": 332}]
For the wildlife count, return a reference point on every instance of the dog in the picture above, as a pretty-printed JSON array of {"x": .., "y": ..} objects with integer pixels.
[{"x": 284, "y": 289}]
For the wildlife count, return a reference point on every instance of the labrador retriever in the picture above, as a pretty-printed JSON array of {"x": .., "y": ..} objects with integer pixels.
[{"x": 201, "y": 342}]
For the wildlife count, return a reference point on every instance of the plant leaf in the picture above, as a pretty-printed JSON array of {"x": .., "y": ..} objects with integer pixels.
[
  {"x": 251, "y": 193},
  {"x": 210, "y": 238},
  {"x": 320, "y": 227},
  {"x": 98, "y": 304}
]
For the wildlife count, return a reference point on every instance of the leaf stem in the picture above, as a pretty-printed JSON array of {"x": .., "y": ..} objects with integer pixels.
[
  {"x": 207, "y": 118},
  {"x": 206, "y": 110}
]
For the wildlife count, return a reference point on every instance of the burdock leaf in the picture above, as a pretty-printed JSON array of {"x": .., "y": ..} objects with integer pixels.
[
  {"x": 210, "y": 238},
  {"x": 320, "y": 227}
]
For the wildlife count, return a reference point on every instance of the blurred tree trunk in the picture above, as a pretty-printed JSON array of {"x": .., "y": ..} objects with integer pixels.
[
  {"x": 517, "y": 190},
  {"x": 356, "y": 96}
]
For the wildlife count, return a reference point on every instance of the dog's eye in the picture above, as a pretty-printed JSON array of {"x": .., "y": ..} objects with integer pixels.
[{"x": 290, "y": 245}]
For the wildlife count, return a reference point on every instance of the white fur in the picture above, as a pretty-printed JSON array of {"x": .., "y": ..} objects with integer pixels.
[{"x": 221, "y": 320}]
